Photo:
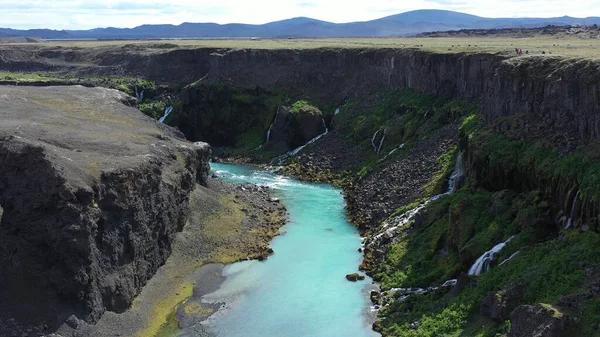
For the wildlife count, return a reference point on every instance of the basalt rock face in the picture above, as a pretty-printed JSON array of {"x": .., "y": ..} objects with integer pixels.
[
  {"x": 563, "y": 94},
  {"x": 92, "y": 193},
  {"x": 224, "y": 115},
  {"x": 293, "y": 130},
  {"x": 559, "y": 95}
]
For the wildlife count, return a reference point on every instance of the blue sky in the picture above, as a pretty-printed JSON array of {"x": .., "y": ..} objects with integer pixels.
[{"x": 67, "y": 14}]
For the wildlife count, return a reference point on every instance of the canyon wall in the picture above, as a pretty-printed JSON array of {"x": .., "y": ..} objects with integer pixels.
[
  {"x": 557, "y": 93},
  {"x": 93, "y": 193}
]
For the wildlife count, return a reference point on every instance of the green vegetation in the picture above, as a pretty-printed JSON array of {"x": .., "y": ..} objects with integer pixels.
[
  {"x": 228, "y": 116},
  {"x": 456, "y": 229},
  {"x": 581, "y": 166},
  {"x": 305, "y": 108},
  {"x": 440, "y": 248}
]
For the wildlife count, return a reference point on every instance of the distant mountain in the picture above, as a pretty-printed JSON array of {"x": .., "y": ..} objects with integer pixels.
[{"x": 409, "y": 23}]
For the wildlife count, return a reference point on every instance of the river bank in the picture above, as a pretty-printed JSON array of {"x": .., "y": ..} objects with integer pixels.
[
  {"x": 301, "y": 290},
  {"x": 228, "y": 223}
]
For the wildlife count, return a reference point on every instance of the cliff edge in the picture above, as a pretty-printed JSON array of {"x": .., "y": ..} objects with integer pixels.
[{"x": 92, "y": 193}]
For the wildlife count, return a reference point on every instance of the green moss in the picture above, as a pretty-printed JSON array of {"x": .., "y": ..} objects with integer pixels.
[
  {"x": 469, "y": 124},
  {"x": 444, "y": 166},
  {"x": 305, "y": 108},
  {"x": 581, "y": 166}
]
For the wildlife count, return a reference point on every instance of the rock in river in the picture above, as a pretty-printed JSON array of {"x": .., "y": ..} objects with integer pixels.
[{"x": 355, "y": 277}]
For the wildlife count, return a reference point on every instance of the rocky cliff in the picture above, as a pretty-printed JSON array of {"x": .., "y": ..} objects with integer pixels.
[
  {"x": 561, "y": 93},
  {"x": 92, "y": 193}
]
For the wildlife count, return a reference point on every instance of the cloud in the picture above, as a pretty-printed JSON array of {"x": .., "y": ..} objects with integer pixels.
[{"x": 85, "y": 14}]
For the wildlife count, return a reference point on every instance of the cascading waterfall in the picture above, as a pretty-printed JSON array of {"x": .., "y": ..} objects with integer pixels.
[
  {"x": 392, "y": 224},
  {"x": 570, "y": 220},
  {"x": 168, "y": 111},
  {"x": 294, "y": 152},
  {"x": 482, "y": 264},
  {"x": 401, "y": 294}
]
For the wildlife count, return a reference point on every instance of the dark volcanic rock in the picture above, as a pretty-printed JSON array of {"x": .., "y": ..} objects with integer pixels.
[
  {"x": 355, "y": 277},
  {"x": 499, "y": 305},
  {"x": 295, "y": 130},
  {"x": 536, "y": 321},
  {"x": 92, "y": 193}
]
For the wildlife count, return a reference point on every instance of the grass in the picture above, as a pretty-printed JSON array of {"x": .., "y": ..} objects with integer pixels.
[
  {"x": 570, "y": 47},
  {"x": 551, "y": 269},
  {"x": 458, "y": 228}
]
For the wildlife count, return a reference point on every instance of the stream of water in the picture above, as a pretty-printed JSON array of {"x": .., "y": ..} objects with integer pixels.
[{"x": 300, "y": 291}]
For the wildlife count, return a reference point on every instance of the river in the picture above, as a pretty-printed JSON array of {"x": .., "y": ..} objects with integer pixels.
[{"x": 300, "y": 291}]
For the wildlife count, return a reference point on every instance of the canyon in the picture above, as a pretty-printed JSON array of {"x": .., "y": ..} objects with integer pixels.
[{"x": 389, "y": 126}]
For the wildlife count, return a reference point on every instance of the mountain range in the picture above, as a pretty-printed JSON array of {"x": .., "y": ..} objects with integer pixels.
[{"x": 404, "y": 24}]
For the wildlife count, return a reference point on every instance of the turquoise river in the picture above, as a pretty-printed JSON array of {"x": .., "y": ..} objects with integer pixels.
[{"x": 300, "y": 291}]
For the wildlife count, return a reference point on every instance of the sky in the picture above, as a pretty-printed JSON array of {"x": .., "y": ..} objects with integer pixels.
[{"x": 67, "y": 14}]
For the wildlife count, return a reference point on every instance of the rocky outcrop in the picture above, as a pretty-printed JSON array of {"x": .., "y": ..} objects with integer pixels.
[
  {"x": 225, "y": 116},
  {"x": 536, "y": 321},
  {"x": 499, "y": 305},
  {"x": 560, "y": 94},
  {"x": 355, "y": 277},
  {"x": 290, "y": 130},
  {"x": 93, "y": 193}
]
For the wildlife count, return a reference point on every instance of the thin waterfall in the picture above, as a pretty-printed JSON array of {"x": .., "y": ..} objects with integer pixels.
[
  {"x": 294, "y": 152},
  {"x": 381, "y": 141},
  {"x": 392, "y": 224},
  {"x": 168, "y": 111},
  {"x": 271, "y": 126},
  {"x": 392, "y": 152},
  {"x": 139, "y": 94},
  {"x": 457, "y": 174},
  {"x": 337, "y": 111},
  {"x": 269, "y": 134},
  {"x": 482, "y": 264},
  {"x": 373, "y": 139},
  {"x": 570, "y": 220},
  {"x": 510, "y": 257}
]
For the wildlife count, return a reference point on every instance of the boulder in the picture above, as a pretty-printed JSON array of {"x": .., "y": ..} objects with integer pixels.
[
  {"x": 540, "y": 320},
  {"x": 499, "y": 305},
  {"x": 355, "y": 277}
]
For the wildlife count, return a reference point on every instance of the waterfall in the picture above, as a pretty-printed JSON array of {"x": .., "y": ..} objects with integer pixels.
[
  {"x": 457, "y": 174},
  {"x": 373, "y": 139},
  {"x": 398, "y": 221},
  {"x": 294, "y": 152},
  {"x": 271, "y": 126},
  {"x": 570, "y": 220},
  {"x": 381, "y": 141},
  {"x": 510, "y": 257},
  {"x": 168, "y": 111},
  {"x": 483, "y": 262},
  {"x": 337, "y": 111},
  {"x": 392, "y": 152},
  {"x": 269, "y": 134},
  {"x": 139, "y": 94}
]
